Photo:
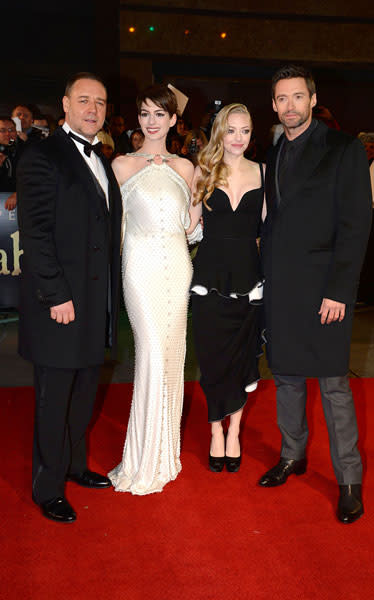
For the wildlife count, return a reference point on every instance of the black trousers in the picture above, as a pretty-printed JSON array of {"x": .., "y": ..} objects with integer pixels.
[{"x": 64, "y": 401}]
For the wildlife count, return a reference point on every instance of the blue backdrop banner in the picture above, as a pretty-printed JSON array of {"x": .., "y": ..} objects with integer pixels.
[{"x": 10, "y": 253}]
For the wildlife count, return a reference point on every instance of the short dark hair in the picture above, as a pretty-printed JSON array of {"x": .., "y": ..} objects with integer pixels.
[
  {"x": 82, "y": 75},
  {"x": 6, "y": 118},
  {"x": 28, "y": 106},
  {"x": 160, "y": 95},
  {"x": 290, "y": 72}
]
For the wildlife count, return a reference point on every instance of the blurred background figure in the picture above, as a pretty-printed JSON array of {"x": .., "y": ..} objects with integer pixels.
[
  {"x": 207, "y": 119},
  {"x": 25, "y": 116},
  {"x": 275, "y": 133},
  {"x": 107, "y": 147},
  {"x": 182, "y": 128},
  {"x": 10, "y": 150},
  {"x": 194, "y": 141},
  {"x": 368, "y": 140},
  {"x": 41, "y": 123},
  {"x": 174, "y": 144},
  {"x": 117, "y": 130},
  {"x": 322, "y": 113},
  {"x": 136, "y": 140}
]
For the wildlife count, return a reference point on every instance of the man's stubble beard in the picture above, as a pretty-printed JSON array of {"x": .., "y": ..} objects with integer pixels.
[{"x": 303, "y": 119}]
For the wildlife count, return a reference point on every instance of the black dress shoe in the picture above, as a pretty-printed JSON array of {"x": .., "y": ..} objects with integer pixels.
[
  {"x": 90, "y": 479},
  {"x": 58, "y": 509},
  {"x": 279, "y": 474},
  {"x": 233, "y": 464},
  {"x": 216, "y": 463},
  {"x": 350, "y": 507}
]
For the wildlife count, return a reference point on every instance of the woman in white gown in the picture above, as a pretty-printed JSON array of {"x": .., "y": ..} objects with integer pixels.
[{"x": 157, "y": 271}]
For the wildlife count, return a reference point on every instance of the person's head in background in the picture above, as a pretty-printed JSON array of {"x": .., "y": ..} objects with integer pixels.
[
  {"x": 107, "y": 147},
  {"x": 25, "y": 115},
  {"x": 41, "y": 123},
  {"x": 182, "y": 127},
  {"x": 136, "y": 139},
  {"x": 174, "y": 144},
  {"x": 368, "y": 140},
  {"x": 7, "y": 130},
  {"x": 117, "y": 126}
]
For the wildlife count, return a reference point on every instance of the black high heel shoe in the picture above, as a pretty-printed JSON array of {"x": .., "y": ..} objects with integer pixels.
[
  {"x": 233, "y": 464},
  {"x": 216, "y": 463}
]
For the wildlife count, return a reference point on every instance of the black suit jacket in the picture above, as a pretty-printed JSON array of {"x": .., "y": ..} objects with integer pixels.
[
  {"x": 71, "y": 244},
  {"x": 312, "y": 248}
]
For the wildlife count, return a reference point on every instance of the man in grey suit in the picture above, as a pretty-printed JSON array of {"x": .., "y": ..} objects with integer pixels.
[{"x": 315, "y": 235}]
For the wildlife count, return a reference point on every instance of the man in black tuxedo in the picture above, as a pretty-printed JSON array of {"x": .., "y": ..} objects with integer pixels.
[
  {"x": 69, "y": 211},
  {"x": 315, "y": 235}
]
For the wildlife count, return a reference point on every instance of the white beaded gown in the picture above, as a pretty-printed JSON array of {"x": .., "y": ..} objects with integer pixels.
[{"x": 157, "y": 272}]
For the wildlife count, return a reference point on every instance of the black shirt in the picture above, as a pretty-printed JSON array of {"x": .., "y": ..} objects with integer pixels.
[{"x": 290, "y": 153}]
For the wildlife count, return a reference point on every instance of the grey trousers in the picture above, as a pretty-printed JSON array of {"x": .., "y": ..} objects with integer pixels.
[{"x": 340, "y": 418}]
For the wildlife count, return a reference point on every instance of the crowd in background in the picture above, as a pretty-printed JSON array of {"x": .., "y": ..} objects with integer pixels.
[{"x": 27, "y": 125}]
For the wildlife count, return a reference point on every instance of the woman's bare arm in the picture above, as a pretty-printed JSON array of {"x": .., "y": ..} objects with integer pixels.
[{"x": 195, "y": 211}]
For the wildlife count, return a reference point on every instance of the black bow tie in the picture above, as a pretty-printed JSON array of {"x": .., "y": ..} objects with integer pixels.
[{"x": 88, "y": 148}]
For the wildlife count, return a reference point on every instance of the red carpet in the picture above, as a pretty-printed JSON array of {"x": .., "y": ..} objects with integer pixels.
[{"x": 207, "y": 536}]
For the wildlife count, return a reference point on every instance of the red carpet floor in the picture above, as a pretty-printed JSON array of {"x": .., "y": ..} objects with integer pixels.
[{"x": 207, "y": 536}]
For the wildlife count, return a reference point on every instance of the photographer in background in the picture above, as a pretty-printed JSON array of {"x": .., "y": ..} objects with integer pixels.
[
  {"x": 208, "y": 117},
  {"x": 25, "y": 115},
  {"x": 194, "y": 141},
  {"x": 10, "y": 150}
]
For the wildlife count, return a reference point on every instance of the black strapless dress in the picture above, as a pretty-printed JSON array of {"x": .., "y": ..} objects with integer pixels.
[{"x": 225, "y": 303}]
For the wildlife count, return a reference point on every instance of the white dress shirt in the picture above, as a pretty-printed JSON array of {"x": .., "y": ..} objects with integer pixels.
[{"x": 93, "y": 161}]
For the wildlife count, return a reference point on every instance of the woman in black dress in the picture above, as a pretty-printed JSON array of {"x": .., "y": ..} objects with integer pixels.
[{"x": 226, "y": 287}]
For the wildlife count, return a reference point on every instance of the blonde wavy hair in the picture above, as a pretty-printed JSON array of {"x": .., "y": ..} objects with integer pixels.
[{"x": 214, "y": 172}]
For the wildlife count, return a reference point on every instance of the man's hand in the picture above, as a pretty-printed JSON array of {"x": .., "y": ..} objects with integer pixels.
[
  {"x": 22, "y": 136},
  {"x": 331, "y": 311},
  {"x": 63, "y": 313},
  {"x": 2, "y": 158},
  {"x": 11, "y": 202}
]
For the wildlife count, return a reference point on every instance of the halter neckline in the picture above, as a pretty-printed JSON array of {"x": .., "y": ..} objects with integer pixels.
[{"x": 151, "y": 157}]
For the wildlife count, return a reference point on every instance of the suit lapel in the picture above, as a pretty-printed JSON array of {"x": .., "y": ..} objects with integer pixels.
[
  {"x": 112, "y": 183},
  {"x": 81, "y": 168},
  {"x": 270, "y": 177},
  {"x": 312, "y": 154}
]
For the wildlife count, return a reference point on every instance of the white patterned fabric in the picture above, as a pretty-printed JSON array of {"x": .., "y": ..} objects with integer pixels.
[{"x": 156, "y": 276}]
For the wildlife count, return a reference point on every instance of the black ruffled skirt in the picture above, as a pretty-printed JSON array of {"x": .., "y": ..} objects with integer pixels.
[{"x": 228, "y": 344}]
